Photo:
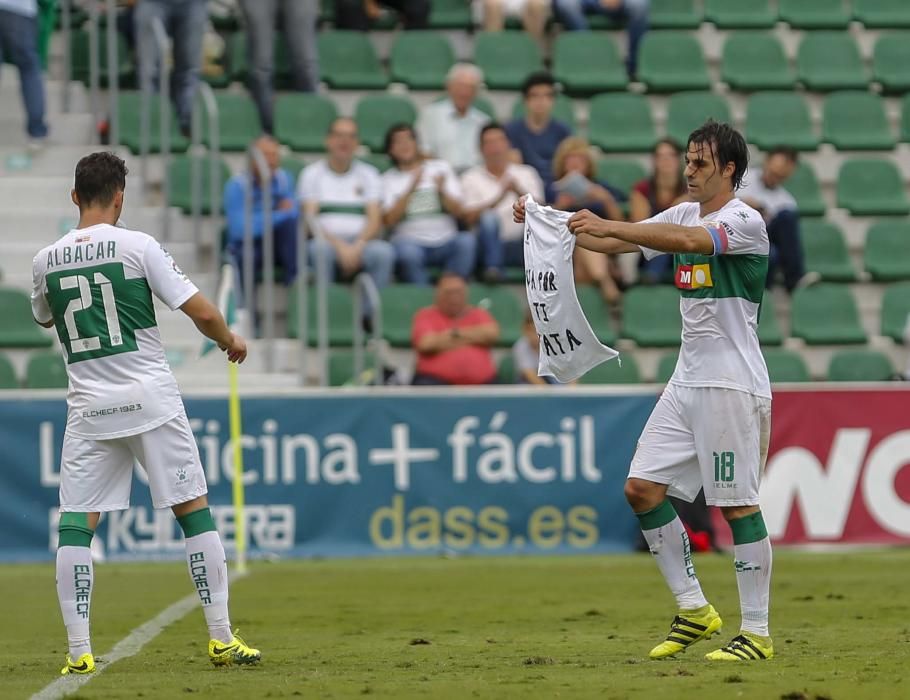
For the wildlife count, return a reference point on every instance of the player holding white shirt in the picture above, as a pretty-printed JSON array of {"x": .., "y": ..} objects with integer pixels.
[
  {"x": 95, "y": 285},
  {"x": 711, "y": 426}
]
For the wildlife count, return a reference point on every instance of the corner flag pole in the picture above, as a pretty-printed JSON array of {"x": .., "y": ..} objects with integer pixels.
[{"x": 238, "y": 497}]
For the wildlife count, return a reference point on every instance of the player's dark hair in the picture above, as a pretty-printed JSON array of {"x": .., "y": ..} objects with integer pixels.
[
  {"x": 728, "y": 146},
  {"x": 390, "y": 134},
  {"x": 786, "y": 151},
  {"x": 99, "y": 176},
  {"x": 539, "y": 78},
  {"x": 490, "y": 126}
]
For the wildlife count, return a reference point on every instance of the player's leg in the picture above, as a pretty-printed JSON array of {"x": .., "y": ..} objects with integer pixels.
[{"x": 75, "y": 583}]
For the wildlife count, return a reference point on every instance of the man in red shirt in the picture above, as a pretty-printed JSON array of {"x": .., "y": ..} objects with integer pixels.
[{"x": 453, "y": 339}]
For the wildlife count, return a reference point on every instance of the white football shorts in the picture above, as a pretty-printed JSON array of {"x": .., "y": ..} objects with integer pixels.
[{"x": 707, "y": 437}]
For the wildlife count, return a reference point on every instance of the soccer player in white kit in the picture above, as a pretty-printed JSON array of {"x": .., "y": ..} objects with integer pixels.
[
  {"x": 711, "y": 426},
  {"x": 95, "y": 286}
]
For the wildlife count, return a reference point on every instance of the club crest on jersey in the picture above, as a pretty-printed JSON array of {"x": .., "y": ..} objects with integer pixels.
[{"x": 693, "y": 276}]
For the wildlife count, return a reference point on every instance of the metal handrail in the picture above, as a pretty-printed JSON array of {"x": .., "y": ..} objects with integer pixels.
[
  {"x": 322, "y": 299},
  {"x": 264, "y": 173},
  {"x": 206, "y": 98},
  {"x": 65, "y": 7},
  {"x": 164, "y": 106},
  {"x": 113, "y": 76},
  {"x": 365, "y": 286},
  {"x": 303, "y": 297},
  {"x": 94, "y": 67}
]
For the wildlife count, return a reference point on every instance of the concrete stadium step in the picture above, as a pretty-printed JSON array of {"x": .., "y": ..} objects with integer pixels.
[{"x": 52, "y": 161}]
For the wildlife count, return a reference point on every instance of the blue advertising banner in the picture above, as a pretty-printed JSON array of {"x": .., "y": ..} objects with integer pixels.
[{"x": 364, "y": 473}]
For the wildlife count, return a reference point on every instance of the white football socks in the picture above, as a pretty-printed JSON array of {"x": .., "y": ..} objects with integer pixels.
[
  {"x": 75, "y": 580},
  {"x": 753, "y": 578},
  {"x": 208, "y": 571}
]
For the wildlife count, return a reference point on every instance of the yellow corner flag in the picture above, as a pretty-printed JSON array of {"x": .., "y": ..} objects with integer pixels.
[{"x": 238, "y": 496}]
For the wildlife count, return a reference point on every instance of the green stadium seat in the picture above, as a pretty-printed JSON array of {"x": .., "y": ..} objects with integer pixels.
[
  {"x": 621, "y": 123},
  {"x": 779, "y": 119},
  {"x": 505, "y": 370},
  {"x": 689, "y": 110},
  {"x": 506, "y": 58},
  {"x": 341, "y": 368},
  {"x": 130, "y": 108},
  {"x": 302, "y": 120},
  {"x": 882, "y": 14},
  {"x": 651, "y": 316},
  {"x": 374, "y": 115},
  {"x": 621, "y": 370},
  {"x": 672, "y": 61},
  {"x": 380, "y": 161},
  {"x": 855, "y": 120},
  {"x": 238, "y": 63},
  {"x": 562, "y": 111},
  {"x": 886, "y": 255},
  {"x": 890, "y": 59},
  {"x": 826, "y": 251},
  {"x": 860, "y": 366},
  {"x": 786, "y": 365},
  {"x": 895, "y": 310},
  {"x": 485, "y": 106},
  {"x": 238, "y": 121},
  {"x": 674, "y": 14},
  {"x": 450, "y": 14},
  {"x": 804, "y": 187},
  {"x": 502, "y": 305},
  {"x": 180, "y": 183},
  {"x": 621, "y": 173},
  {"x": 769, "y": 332},
  {"x": 79, "y": 57},
  {"x": 814, "y": 14},
  {"x": 830, "y": 61},
  {"x": 665, "y": 367},
  {"x": 339, "y": 312},
  {"x": 421, "y": 59},
  {"x": 587, "y": 63},
  {"x": 46, "y": 370},
  {"x": 399, "y": 304},
  {"x": 871, "y": 188},
  {"x": 825, "y": 314},
  {"x": 905, "y": 119},
  {"x": 293, "y": 166},
  {"x": 597, "y": 312},
  {"x": 8, "y": 379},
  {"x": 19, "y": 329},
  {"x": 740, "y": 14},
  {"x": 755, "y": 61},
  {"x": 348, "y": 61}
]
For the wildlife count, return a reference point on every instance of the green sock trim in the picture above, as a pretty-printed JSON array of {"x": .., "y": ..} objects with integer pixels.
[
  {"x": 197, "y": 522},
  {"x": 657, "y": 517},
  {"x": 74, "y": 530},
  {"x": 750, "y": 528}
]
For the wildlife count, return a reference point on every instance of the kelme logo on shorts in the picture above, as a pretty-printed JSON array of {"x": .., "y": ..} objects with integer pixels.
[
  {"x": 694, "y": 276},
  {"x": 181, "y": 475}
]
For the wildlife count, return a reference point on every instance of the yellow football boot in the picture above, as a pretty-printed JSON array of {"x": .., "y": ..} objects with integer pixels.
[
  {"x": 688, "y": 627},
  {"x": 744, "y": 647},
  {"x": 85, "y": 664},
  {"x": 236, "y": 652}
]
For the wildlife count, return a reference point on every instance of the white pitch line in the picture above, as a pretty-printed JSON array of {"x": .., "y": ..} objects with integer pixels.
[{"x": 126, "y": 647}]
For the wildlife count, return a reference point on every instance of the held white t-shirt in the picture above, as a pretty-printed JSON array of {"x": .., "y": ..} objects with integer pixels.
[
  {"x": 424, "y": 222},
  {"x": 96, "y": 284}
]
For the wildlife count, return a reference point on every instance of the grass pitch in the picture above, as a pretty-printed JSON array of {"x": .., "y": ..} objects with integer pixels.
[{"x": 572, "y": 627}]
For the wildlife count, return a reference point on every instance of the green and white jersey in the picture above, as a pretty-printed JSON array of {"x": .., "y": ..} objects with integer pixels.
[
  {"x": 96, "y": 284},
  {"x": 342, "y": 197},
  {"x": 721, "y": 299}
]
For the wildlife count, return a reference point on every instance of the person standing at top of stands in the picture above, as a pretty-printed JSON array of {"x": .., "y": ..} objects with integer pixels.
[
  {"x": 19, "y": 45},
  {"x": 421, "y": 201},
  {"x": 536, "y": 135},
  {"x": 357, "y": 14},
  {"x": 532, "y": 13},
  {"x": 450, "y": 129},
  {"x": 298, "y": 24},
  {"x": 572, "y": 15}
]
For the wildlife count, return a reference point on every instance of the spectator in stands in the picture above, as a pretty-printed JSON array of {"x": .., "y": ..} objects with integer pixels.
[
  {"x": 19, "y": 46},
  {"x": 489, "y": 191},
  {"x": 344, "y": 195},
  {"x": 449, "y": 128},
  {"x": 572, "y": 15},
  {"x": 453, "y": 339},
  {"x": 577, "y": 188},
  {"x": 532, "y": 13},
  {"x": 665, "y": 188},
  {"x": 185, "y": 21},
  {"x": 536, "y": 136},
  {"x": 763, "y": 190},
  {"x": 357, "y": 14},
  {"x": 525, "y": 356},
  {"x": 421, "y": 202},
  {"x": 298, "y": 24},
  {"x": 284, "y": 212}
]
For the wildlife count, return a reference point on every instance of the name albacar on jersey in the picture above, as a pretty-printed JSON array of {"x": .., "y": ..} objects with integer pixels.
[{"x": 693, "y": 276}]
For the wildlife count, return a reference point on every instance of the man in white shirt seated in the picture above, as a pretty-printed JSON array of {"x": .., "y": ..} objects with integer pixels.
[
  {"x": 489, "y": 191},
  {"x": 344, "y": 194},
  {"x": 421, "y": 202},
  {"x": 449, "y": 128}
]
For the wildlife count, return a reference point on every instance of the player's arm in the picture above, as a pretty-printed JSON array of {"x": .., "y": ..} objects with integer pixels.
[
  {"x": 211, "y": 324},
  {"x": 664, "y": 237},
  {"x": 610, "y": 246}
]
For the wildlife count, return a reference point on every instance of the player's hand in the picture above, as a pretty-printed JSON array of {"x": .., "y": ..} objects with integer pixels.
[
  {"x": 518, "y": 210},
  {"x": 236, "y": 350},
  {"x": 586, "y": 221}
]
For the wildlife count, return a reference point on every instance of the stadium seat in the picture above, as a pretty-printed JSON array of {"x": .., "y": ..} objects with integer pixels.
[
  {"x": 180, "y": 183},
  {"x": 292, "y": 165},
  {"x": 421, "y": 59},
  {"x": 651, "y": 316},
  {"x": 374, "y": 115},
  {"x": 450, "y": 14},
  {"x": 341, "y": 368},
  {"x": 740, "y": 14},
  {"x": 671, "y": 61},
  {"x": 814, "y": 14},
  {"x": 886, "y": 255},
  {"x": 804, "y": 187},
  {"x": 597, "y": 313},
  {"x": 785, "y": 365},
  {"x": 19, "y": 329},
  {"x": 239, "y": 69},
  {"x": 779, "y": 119},
  {"x": 562, "y": 111},
  {"x": 502, "y": 305},
  {"x": 826, "y": 251},
  {"x": 587, "y": 63},
  {"x": 79, "y": 57},
  {"x": 825, "y": 314},
  {"x": 620, "y": 173},
  {"x": 890, "y": 59},
  {"x": 755, "y": 61},
  {"x": 895, "y": 310},
  {"x": 8, "y": 379},
  {"x": 769, "y": 332},
  {"x": 830, "y": 61},
  {"x": 621, "y": 370},
  {"x": 882, "y": 14},
  {"x": 380, "y": 161},
  {"x": 302, "y": 120},
  {"x": 46, "y": 370},
  {"x": 621, "y": 123},
  {"x": 687, "y": 111},
  {"x": 871, "y": 188},
  {"x": 238, "y": 121},
  {"x": 505, "y": 370},
  {"x": 905, "y": 119},
  {"x": 339, "y": 312},
  {"x": 130, "y": 108},
  {"x": 674, "y": 14},
  {"x": 348, "y": 61},
  {"x": 860, "y": 366},
  {"x": 506, "y": 58},
  {"x": 665, "y": 367},
  {"x": 399, "y": 304},
  {"x": 856, "y": 120}
]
